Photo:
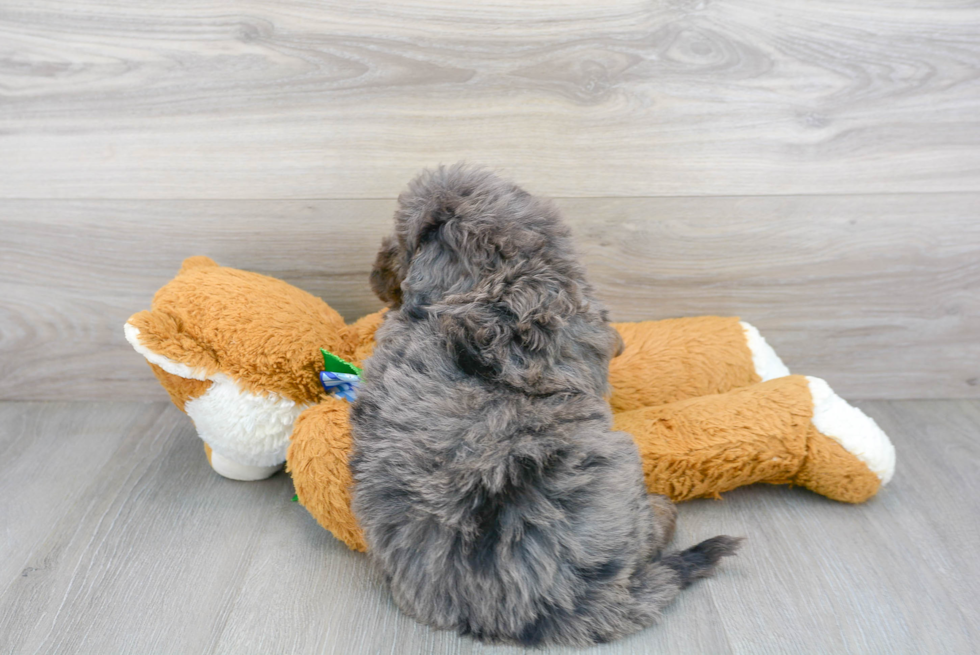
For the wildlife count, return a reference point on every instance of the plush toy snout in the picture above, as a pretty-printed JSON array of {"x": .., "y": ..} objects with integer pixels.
[{"x": 195, "y": 397}]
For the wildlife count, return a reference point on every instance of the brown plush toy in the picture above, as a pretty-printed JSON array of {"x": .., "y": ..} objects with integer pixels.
[{"x": 710, "y": 405}]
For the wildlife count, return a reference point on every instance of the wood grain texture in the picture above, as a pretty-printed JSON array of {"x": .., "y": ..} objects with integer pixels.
[
  {"x": 295, "y": 99},
  {"x": 880, "y": 295},
  {"x": 117, "y": 537},
  {"x": 50, "y": 453}
]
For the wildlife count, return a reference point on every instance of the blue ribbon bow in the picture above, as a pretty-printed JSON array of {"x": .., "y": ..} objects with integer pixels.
[{"x": 342, "y": 385}]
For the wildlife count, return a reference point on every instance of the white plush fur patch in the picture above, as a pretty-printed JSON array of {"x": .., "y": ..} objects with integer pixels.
[
  {"x": 246, "y": 428},
  {"x": 853, "y": 429},
  {"x": 767, "y": 363}
]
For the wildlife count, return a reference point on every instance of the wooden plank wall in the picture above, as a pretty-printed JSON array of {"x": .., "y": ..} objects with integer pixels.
[{"x": 812, "y": 167}]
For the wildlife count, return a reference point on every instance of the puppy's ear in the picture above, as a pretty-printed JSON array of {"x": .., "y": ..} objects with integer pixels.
[{"x": 386, "y": 275}]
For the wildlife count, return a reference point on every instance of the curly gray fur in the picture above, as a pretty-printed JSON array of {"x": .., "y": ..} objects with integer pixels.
[{"x": 492, "y": 490}]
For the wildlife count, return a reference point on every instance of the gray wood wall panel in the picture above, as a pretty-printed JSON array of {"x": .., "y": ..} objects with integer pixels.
[
  {"x": 292, "y": 99},
  {"x": 878, "y": 294},
  {"x": 139, "y": 547}
]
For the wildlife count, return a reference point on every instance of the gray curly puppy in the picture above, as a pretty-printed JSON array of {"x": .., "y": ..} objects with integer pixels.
[{"x": 491, "y": 488}]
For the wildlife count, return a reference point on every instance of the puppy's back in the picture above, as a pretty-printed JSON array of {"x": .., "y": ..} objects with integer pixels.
[{"x": 490, "y": 487}]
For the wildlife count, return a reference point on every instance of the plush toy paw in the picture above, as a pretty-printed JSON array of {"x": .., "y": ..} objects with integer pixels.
[
  {"x": 765, "y": 362},
  {"x": 848, "y": 456}
]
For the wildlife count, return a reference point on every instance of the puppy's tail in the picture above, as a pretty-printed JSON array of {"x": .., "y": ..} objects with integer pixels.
[
  {"x": 652, "y": 588},
  {"x": 656, "y": 585},
  {"x": 700, "y": 561}
]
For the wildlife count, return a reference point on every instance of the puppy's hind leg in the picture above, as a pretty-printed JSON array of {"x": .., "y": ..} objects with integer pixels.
[{"x": 666, "y": 516}]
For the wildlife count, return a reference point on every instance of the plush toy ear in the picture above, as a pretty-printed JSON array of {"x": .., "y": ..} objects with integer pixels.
[
  {"x": 199, "y": 261},
  {"x": 158, "y": 337}
]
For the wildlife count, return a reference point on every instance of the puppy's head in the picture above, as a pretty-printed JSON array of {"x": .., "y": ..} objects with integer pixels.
[
  {"x": 496, "y": 265},
  {"x": 447, "y": 232}
]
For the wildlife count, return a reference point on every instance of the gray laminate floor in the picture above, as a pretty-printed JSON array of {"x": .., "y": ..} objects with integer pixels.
[{"x": 116, "y": 537}]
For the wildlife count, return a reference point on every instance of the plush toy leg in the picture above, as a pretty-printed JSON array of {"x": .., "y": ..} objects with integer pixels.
[
  {"x": 791, "y": 430},
  {"x": 675, "y": 359},
  {"x": 318, "y": 461}
]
